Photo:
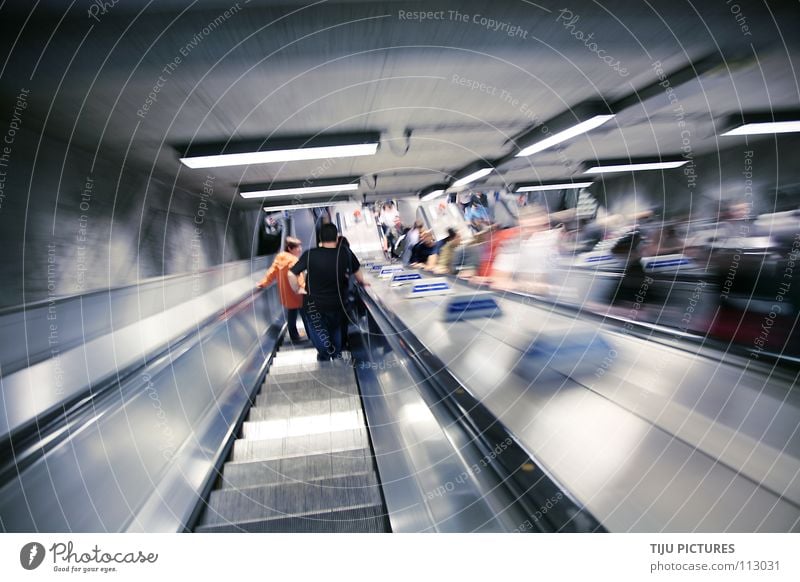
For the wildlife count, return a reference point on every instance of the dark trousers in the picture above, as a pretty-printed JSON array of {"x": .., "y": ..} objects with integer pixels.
[
  {"x": 324, "y": 329},
  {"x": 291, "y": 324}
]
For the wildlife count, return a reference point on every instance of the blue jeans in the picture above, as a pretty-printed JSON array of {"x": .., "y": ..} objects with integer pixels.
[
  {"x": 324, "y": 329},
  {"x": 291, "y": 324}
]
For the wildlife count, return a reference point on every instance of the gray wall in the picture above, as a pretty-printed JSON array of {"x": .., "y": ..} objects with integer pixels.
[
  {"x": 720, "y": 178},
  {"x": 60, "y": 237}
]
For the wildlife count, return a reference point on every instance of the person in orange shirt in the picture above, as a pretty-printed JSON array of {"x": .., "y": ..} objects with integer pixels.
[{"x": 278, "y": 270}]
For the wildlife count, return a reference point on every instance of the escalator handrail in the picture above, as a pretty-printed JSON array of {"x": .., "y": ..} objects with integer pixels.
[{"x": 34, "y": 436}]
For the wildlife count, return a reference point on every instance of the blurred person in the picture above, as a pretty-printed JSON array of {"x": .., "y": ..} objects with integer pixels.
[
  {"x": 444, "y": 263},
  {"x": 292, "y": 301},
  {"x": 350, "y": 299},
  {"x": 477, "y": 215},
  {"x": 531, "y": 218},
  {"x": 411, "y": 240},
  {"x": 390, "y": 223},
  {"x": 326, "y": 268},
  {"x": 423, "y": 250}
]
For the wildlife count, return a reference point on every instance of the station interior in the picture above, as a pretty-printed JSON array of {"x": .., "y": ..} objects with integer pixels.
[{"x": 577, "y": 236}]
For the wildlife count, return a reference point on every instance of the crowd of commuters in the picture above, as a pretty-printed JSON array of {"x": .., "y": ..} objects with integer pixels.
[{"x": 545, "y": 252}]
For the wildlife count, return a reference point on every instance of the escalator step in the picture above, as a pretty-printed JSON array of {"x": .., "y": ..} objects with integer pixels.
[
  {"x": 312, "y": 467},
  {"x": 294, "y": 358},
  {"x": 273, "y": 395},
  {"x": 278, "y": 407},
  {"x": 303, "y": 425},
  {"x": 367, "y": 519},
  {"x": 313, "y": 367},
  {"x": 291, "y": 499},
  {"x": 276, "y": 448},
  {"x": 328, "y": 422},
  {"x": 295, "y": 374}
]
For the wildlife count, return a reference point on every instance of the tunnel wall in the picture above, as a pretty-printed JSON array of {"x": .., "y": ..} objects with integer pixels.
[
  {"x": 714, "y": 181},
  {"x": 70, "y": 224}
]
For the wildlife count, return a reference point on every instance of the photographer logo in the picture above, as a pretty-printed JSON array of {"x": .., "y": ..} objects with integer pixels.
[{"x": 31, "y": 555}]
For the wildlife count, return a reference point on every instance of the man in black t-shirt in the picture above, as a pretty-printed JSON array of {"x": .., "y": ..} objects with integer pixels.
[{"x": 327, "y": 268}]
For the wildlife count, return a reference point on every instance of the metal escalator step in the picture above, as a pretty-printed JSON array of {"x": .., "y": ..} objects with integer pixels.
[
  {"x": 307, "y": 468},
  {"x": 306, "y": 381},
  {"x": 328, "y": 422},
  {"x": 294, "y": 358},
  {"x": 315, "y": 368},
  {"x": 279, "y": 408},
  {"x": 291, "y": 499},
  {"x": 288, "y": 381},
  {"x": 366, "y": 519},
  {"x": 288, "y": 346},
  {"x": 297, "y": 446},
  {"x": 312, "y": 391}
]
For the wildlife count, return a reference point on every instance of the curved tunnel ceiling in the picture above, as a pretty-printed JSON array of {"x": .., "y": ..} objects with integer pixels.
[{"x": 135, "y": 79}]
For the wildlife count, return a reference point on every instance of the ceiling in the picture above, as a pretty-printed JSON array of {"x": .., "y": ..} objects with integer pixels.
[{"x": 277, "y": 69}]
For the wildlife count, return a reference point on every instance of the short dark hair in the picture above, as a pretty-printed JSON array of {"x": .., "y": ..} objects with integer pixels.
[
  {"x": 328, "y": 233},
  {"x": 292, "y": 243}
]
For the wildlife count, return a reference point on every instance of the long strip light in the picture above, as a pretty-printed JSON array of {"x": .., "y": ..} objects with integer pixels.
[
  {"x": 636, "y": 167},
  {"x": 290, "y": 155},
  {"x": 477, "y": 175},
  {"x": 564, "y": 186},
  {"x": 548, "y": 142},
  {"x": 766, "y": 127},
  {"x": 432, "y": 195},
  {"x": 297, "y": 191}
]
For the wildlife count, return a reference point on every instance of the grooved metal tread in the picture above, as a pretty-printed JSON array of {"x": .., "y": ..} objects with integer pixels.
[
  {"x": 291, "y": 499},
  {"x": 276, "y": 448},
  {"x": 283, "y": 407},
  {"x": 333, "y": 421},
  {"x": 313, "y": 392},
  {"x": 303, "y": 462},
  {"x": 367, "y": 519},
  {"x": 310, "y": 467},
  {"x": 323, "y": 375}
]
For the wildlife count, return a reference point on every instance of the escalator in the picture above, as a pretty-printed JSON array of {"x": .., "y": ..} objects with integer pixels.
[{"x": 303, "y": 462}]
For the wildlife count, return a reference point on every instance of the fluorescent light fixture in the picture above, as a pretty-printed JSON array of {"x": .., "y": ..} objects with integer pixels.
[
  {"x": 432, "y": 195},
  {"x": 548, "y": 142},
  {"x": 432, "y": 191},
  {"x": 562, "y": 186},
  {"x": 274, "y": 193},
  {"x": 241, "y": 153},
  {"x": 251, "y": 158},
  {"x": 765, "y": 127},
  {"x": 469, "y": 178},
  {"x": 635, "y": 167}
]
